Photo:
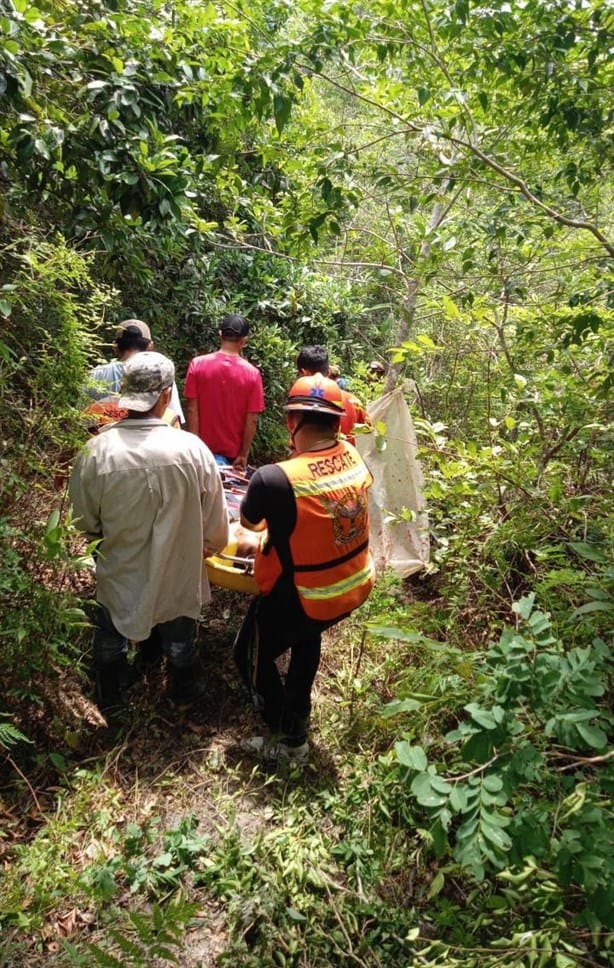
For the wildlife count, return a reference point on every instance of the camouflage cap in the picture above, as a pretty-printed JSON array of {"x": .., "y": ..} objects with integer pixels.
[{"x": 146, "y": 375}]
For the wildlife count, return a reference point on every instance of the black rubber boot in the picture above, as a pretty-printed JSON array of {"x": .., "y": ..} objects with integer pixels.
[
  {"x": 186, "y": 686},
  {"x": 150, "y": 652},
  {"x": 108, "y": 687},
  {"x": 111, "y": 681}
]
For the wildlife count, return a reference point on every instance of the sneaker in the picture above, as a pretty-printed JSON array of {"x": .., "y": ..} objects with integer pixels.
[{"x": 274, "y": 751}]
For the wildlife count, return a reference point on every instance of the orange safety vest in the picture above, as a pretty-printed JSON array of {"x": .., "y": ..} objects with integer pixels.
[{"x": 329, "y": 547}]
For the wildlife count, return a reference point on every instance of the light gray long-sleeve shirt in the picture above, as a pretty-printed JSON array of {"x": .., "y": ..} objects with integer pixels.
[{"x": 155, "y": 496}]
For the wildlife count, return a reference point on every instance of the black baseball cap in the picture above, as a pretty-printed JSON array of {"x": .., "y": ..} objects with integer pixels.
[{"x": 234, "y": 326}]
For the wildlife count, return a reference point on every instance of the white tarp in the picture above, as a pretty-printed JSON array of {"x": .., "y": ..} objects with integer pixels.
[{"x": 395, "y": 542}]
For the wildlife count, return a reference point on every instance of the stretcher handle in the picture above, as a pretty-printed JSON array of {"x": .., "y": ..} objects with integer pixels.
[{"x": 234, "y": 558}]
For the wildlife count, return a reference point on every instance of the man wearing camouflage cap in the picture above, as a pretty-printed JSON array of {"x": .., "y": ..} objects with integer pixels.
[{"x": 154, "y": 498}]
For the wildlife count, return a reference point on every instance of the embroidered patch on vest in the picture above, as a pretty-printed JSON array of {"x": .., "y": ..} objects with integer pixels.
[{"x": 348, "y": 514}]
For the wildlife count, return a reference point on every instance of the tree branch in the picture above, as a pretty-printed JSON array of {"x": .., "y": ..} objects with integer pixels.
[
  {"x": 516, "y": 180},
  {"x": 584, "y": 760},
  {"x": 478, "y": 769},
  {"x": 26, "y": 781},
  {"x": 524, "y": 189}
]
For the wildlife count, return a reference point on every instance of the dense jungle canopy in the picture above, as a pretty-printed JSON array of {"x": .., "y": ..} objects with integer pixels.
[{"x": 422, "y": 182}]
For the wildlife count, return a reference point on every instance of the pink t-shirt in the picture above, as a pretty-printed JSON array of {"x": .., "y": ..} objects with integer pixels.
[{"x": 227, "y": 388}]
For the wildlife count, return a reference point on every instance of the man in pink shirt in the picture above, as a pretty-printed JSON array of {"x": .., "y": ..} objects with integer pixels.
[{"x": 224, "y": 396}]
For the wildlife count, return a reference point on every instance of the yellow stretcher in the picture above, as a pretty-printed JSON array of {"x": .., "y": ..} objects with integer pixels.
[{"x": 227, "y": 569}]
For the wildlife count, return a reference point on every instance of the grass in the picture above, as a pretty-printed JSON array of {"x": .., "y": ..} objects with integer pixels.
[{"x": 164, "y": 845}]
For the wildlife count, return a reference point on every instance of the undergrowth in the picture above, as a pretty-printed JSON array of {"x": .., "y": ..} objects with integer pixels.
[{"x": 477, "y": 837}]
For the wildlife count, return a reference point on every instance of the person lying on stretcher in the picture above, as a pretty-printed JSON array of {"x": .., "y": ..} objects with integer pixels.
[{"x": 247, "y": 542}]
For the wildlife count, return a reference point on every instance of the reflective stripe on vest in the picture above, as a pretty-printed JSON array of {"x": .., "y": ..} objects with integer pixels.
[{"x": 339, "y": 588}]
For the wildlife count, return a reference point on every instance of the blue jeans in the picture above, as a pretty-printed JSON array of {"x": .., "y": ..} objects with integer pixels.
[{"x": 178, "y": 638}]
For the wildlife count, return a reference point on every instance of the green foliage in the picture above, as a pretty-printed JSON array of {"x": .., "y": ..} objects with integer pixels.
[
  {"x": 54, "y": 308},
  {"x": 526, "y": 748},
  {"x": 53, "y": 305},
  {"x": 144, "y": 936},
  {"x": 283, "y": 901},
  {"x": 40, "y": 620},
  {"x": 11, "y": 736},
  {"x": 153, "y": 875},
  {"x": 517, "y": 463}
]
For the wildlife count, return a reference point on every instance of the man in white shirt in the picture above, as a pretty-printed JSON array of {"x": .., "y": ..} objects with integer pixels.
[
  {"x": 154, "y": 497},
  {"x": 104, "y": 383}
]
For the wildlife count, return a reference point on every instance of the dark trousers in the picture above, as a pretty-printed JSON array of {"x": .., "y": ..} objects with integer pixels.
[
  {"x": 273, "y": 624},
  {"x": 177, "y": 637}
]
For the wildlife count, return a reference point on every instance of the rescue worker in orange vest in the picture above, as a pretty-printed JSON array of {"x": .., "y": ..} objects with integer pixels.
[
  {"x": 313, "y": 568},
  {"x": 314, "y": 359}
]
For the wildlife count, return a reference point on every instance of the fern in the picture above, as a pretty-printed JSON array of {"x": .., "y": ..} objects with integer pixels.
[
  {"x": 148, "y": 935},
  {"x": 11, "y": 736}
]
